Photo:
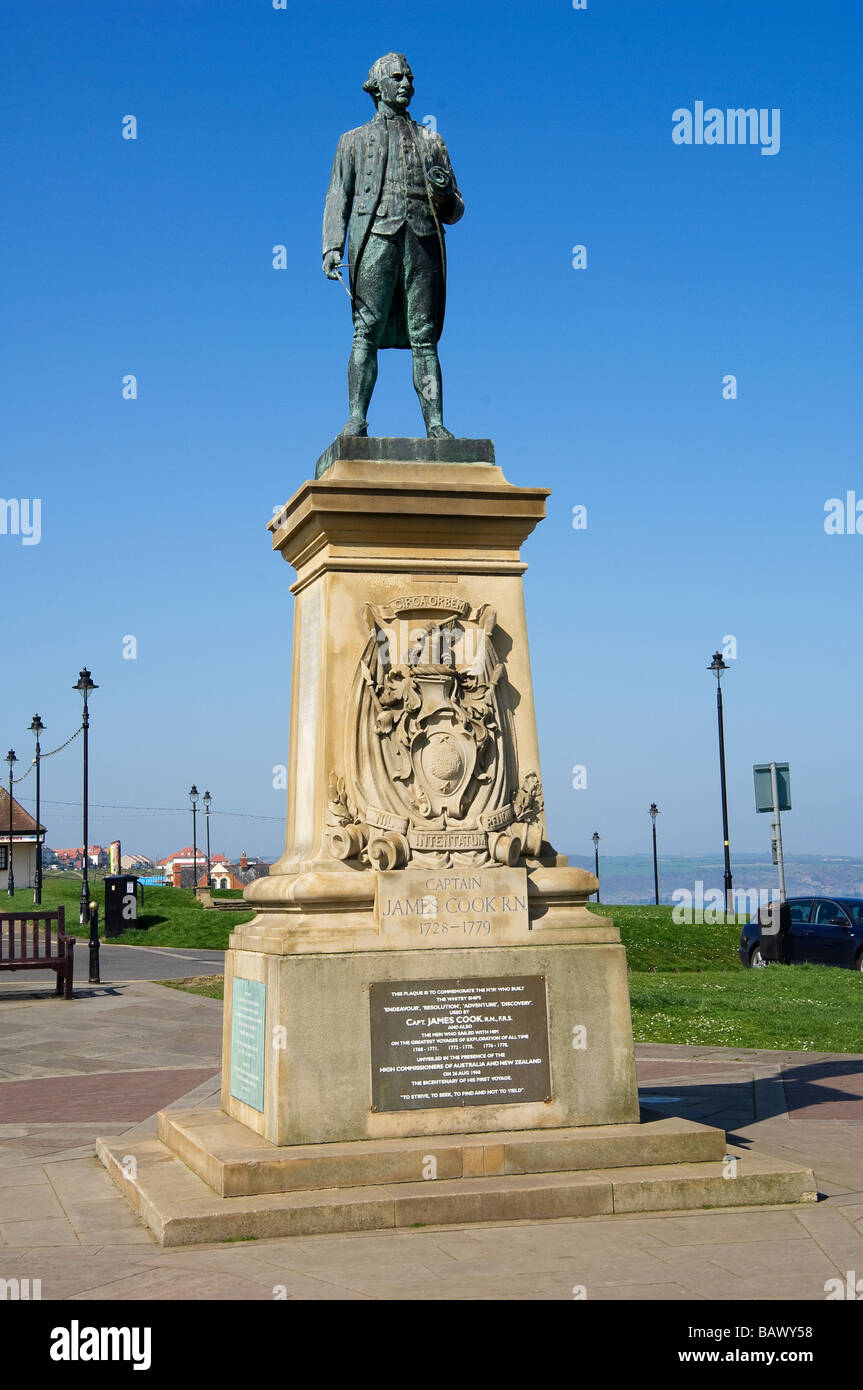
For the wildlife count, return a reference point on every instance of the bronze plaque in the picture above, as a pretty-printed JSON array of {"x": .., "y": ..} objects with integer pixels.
[{"x": 477, "y": 1041}]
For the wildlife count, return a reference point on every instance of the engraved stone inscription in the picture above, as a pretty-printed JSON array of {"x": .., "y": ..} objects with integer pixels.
[
  {"x": 459, "y": 1042},
  {"x": 454, "y": 907}
]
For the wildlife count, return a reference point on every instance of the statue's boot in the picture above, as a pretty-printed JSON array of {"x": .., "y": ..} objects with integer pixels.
[
  {"x": 362, "y": 375},
  {"x": 429, "y": 387}
]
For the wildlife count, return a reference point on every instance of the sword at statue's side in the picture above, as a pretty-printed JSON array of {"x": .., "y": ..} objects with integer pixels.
[{"x": 336, "y": 269}]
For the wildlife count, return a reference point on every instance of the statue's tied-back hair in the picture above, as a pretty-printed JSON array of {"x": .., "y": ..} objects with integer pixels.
[{"x": 377, "y": 71}]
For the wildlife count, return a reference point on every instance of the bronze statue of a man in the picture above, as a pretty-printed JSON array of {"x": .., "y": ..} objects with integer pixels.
[{"x": 393, "y": 181}]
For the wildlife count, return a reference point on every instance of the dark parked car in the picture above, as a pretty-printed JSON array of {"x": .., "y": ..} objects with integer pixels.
[{"x": 824, "y": 931}]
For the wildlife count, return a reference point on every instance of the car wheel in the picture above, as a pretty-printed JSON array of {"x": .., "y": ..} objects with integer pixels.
[
  {"x": 858, "y": 964},
  {"x": 756, "y": 960}
]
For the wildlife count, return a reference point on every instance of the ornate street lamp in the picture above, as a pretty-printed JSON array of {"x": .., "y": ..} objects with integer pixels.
[
  {"x": 37, "y": 728},
  {"x": 719, "y": 667},
  {"x": 84, "y": 685},
  {"x": 11, "y": 760},
  {"x": 207, "y": 800},
  {"x": 596, "y": 860},
  {"x": 653, "y": 813},
  {"x": 193, "y": 797}
]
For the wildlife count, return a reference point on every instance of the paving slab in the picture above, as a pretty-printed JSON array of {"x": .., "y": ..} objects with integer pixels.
[
  {"x": 104, "y": 1096},
  {"x": 37, "y": 1232},
  {"x": 835, "y": 1236}
]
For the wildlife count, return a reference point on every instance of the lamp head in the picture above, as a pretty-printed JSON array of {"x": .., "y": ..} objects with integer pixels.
[
  {"x": 84, "y": 684},
  {"x": 37, "y": 727},
  {"x": 718, "y": 666},
  {"x": 193, "y": 794},
  {"x": 653, "y": 812}
]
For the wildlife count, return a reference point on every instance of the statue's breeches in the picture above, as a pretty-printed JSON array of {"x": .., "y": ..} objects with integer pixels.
[{"x": 399, "y": 291}]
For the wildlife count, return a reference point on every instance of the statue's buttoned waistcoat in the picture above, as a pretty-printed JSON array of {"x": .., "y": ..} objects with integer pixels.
[{"x": 378, "y": 185}]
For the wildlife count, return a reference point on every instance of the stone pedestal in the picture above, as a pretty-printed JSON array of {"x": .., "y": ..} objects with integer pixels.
[
  {"x": 416, "y": 842},
  {"x": 384, "y": 552},
  {"x": 423, "y": 1022}
]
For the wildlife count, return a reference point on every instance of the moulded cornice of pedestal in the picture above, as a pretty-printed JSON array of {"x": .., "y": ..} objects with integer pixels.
[{"x": 404, "y": 506}]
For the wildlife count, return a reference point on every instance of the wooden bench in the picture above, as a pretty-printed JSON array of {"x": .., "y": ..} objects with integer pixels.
[{"x": 26, "y": 944}]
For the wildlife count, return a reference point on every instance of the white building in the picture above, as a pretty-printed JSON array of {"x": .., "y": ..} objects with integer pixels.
[
  {"x": 23, "y": 846},
  {"x": 182, "y": 870}
]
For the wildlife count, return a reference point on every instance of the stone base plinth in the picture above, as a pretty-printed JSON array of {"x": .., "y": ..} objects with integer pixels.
[
  {"x": 236, "y": 1163},
  {"x": 356, "y": 449},
  {"x": 176, "y": 1182},
  {"x": 317, "y": 1064}
]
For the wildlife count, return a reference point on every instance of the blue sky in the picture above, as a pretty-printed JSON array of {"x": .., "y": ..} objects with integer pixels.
[{"x": 705, "y": 515}]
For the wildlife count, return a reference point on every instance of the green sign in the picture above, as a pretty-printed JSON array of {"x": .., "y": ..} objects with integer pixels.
[
  {"x": 764, "y": 786},
  {"x": 248, "y": 1042}
]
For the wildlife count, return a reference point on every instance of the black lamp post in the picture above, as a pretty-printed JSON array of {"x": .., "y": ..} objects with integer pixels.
[
  {"x": 653, "y": 813},
  {"x": 11, "y": 760},
  {"x": 193, "y": 797},
  {"x": 84, "y": 685},
  {"x": 37, "y": 728},
  {"x": 719, "y": 667},
  {"x": 596, "y": 860},
  {"x": 207, "y": 800}
]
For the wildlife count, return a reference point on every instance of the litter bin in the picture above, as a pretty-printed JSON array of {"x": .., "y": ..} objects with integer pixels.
[{"x": 121, "y": 902}]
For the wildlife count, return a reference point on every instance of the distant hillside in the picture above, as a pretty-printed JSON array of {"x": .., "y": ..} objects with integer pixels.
[{"x": 629, "y": 878}]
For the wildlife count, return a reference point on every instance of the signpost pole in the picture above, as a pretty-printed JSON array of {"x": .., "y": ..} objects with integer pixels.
[{"x": 777, "y": 831}]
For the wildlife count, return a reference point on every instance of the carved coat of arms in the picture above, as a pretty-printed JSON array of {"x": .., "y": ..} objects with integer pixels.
[{"x": 430, "y": 757}]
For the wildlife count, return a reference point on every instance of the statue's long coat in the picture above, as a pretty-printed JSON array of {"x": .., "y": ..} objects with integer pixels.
[{"x": 356, "y": 184}]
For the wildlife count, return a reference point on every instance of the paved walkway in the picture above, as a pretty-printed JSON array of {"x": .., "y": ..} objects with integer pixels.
[
  {"x": 116, "y": 964},
  {"x": 72, "y": 1071}
]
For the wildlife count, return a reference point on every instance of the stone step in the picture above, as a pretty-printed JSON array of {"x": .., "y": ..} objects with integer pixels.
[
  {"x": 235, "y": 1162},
  {"x": 181, "y": 1209}
]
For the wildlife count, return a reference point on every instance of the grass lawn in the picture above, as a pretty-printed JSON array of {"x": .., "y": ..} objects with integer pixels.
[
  {"x": 172, "y": 916},
  {"x": 686, "y": 985},
  {"x": 211, "y": 986},
  {"x": 654, "y": 942},
  {"x": 809, "y": 1008}
]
